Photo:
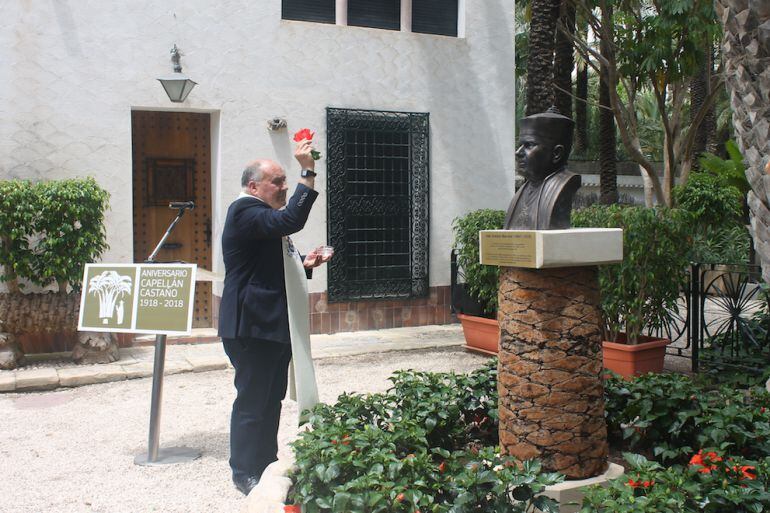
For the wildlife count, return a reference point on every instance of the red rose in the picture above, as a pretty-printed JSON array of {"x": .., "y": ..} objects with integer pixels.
[
  {"x": 292, "y": 508},
  {"x": 400, "y": 497},
  {"x": 303, "y": 134},
  {"x": 442, "y": 467}
]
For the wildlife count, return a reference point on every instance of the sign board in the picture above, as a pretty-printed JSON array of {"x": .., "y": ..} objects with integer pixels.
[
  {"x": 509, "y": 248},
  {"x": 138, "y": 298},
  {"x": 541, "y": 249}
]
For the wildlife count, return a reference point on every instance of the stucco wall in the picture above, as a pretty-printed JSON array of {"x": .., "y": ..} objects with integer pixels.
[{"x": 73, "y": 70}]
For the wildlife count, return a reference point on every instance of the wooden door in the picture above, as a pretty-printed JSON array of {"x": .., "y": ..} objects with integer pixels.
[{"x": 172, "y": 162}]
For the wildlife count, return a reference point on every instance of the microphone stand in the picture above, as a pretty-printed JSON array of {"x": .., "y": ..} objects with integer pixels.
[
  {"x": 182, "y": 209},
  {"x": 171, "y": 455}
]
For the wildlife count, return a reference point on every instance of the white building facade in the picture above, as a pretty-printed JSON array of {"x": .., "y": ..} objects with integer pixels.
[{"x": 79, "y": 97}]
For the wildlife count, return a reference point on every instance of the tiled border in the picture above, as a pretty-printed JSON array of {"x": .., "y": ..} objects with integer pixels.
[{"x": 330, "y": 318}]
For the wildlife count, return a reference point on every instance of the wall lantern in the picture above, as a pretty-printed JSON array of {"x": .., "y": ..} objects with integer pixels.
[{"x": 177, "y": 85}]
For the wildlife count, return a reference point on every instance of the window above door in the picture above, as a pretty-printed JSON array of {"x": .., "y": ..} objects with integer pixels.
[{"x": 438, "y": 17}]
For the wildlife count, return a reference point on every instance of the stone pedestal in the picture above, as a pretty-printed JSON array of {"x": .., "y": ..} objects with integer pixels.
[
  {"x": 551, "y": 391},
  {"x": 569, "y": 494}
]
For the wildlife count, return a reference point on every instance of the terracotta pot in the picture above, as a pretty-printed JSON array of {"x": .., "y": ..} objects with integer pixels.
[
  {"x": 628, "y": 361},
  {"x": 481, "y": 334}
]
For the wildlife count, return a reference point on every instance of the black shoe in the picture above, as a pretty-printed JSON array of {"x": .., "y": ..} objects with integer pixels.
[{"x": 246, "y": 483}]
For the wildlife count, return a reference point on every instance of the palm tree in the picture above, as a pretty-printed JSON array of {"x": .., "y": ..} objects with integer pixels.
[
  {"x": 700, "y": 85},
  {"x": 542, "y": 28},
  {"x": 608, "y": 173},
  {"x": 564, "y": 61},
  {"x": 581, "y": 97},
  {"x": 746, "y": 54}
]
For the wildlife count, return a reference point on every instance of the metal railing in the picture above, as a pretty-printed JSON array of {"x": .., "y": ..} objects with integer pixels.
[{"x": 722, "y": 316}]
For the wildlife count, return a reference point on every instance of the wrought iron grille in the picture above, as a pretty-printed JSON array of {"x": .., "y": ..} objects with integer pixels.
[
  {"x": 378, "y": 203},
  {"x": 721, "y": 319}
]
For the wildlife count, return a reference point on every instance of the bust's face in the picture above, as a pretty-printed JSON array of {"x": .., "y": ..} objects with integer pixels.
[{"x": 534, "y": 158}]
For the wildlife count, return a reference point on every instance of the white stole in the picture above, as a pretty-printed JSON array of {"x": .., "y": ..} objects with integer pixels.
[{"x": 302, "y": 382}]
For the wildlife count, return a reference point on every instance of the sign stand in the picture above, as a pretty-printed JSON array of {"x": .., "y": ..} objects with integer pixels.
[{"x": 171, "y": 455}]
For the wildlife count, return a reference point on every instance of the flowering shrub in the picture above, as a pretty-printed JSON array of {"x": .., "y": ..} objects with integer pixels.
[
  {"x": 710, "y": 483},
  {"x": 670, "y": 416},
  {"x": 427, "y": 445}
]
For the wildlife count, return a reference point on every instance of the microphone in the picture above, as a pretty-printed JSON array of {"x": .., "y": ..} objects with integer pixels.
[{"x": 182, "y": 205}]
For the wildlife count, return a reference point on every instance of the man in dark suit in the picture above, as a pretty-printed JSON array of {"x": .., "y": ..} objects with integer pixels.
[{"x": 253, "y": 316}]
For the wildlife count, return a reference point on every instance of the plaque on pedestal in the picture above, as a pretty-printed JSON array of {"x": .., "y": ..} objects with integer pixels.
[{"x": 542, "y": 249}]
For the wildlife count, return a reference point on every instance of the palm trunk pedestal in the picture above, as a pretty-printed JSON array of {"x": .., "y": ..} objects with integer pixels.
[
  {"x": 550, "y": 371},
  {"x": 551, "y": 403}
]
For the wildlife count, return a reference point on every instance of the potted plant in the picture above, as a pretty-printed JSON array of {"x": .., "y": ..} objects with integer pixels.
[
  {"x": 49, "y": 231},
  {"x": 638, "y": 294},
  {"x": 475, "y": 300},
  {"x": 715, "y": 199}
]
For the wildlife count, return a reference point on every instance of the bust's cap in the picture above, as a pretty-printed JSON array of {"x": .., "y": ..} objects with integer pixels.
[{"x": 549, "y": 126}]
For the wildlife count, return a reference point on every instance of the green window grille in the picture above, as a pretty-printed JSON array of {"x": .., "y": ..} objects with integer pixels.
[{"x": 377, "y": 203}]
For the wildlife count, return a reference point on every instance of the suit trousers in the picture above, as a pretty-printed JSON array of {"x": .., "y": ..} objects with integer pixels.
[{"x": 261, "y": 376}]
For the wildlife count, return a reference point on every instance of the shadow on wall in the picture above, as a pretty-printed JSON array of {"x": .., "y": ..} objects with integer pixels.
[{"x": 283, "y": 147}]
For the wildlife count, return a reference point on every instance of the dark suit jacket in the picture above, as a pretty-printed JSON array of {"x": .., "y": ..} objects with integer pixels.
[{"x": 254, "y": 297}]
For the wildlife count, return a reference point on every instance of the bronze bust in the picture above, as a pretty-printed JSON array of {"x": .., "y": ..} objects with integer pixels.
[{"x": 544, "y": 201}]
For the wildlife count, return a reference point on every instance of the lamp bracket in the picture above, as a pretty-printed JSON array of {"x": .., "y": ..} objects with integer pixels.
[{"x": 175, "y": 58}]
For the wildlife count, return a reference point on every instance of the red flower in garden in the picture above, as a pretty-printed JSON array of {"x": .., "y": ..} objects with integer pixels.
[
  {"x": 303, "y": 134},
  {"x": 762, "y": 410},
  {"x": 705, "y": 461},
  {"x": 400, "y": 497},
  {"x": 747, "y": 471},
  {"x": 293, "y": 508},
  {"x": 442, "y": 467},
  {"x": 640, "y": 484}
]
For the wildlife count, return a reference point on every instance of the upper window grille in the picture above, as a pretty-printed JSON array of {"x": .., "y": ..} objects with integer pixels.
[
  {"x": 439, "y": 17},
  {"x": 320, "y": 11}
]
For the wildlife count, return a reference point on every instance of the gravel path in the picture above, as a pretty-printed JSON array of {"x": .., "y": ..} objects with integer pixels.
[{"x": 72, "y": 450}]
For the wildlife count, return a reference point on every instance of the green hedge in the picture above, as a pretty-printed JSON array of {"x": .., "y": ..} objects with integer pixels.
[
  {"x": 50, "y": 230},
  {"x": 427, "y": 445}
]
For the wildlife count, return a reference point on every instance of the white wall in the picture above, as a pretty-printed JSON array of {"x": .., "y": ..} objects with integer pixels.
[{"x": 73, "y": 70}]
